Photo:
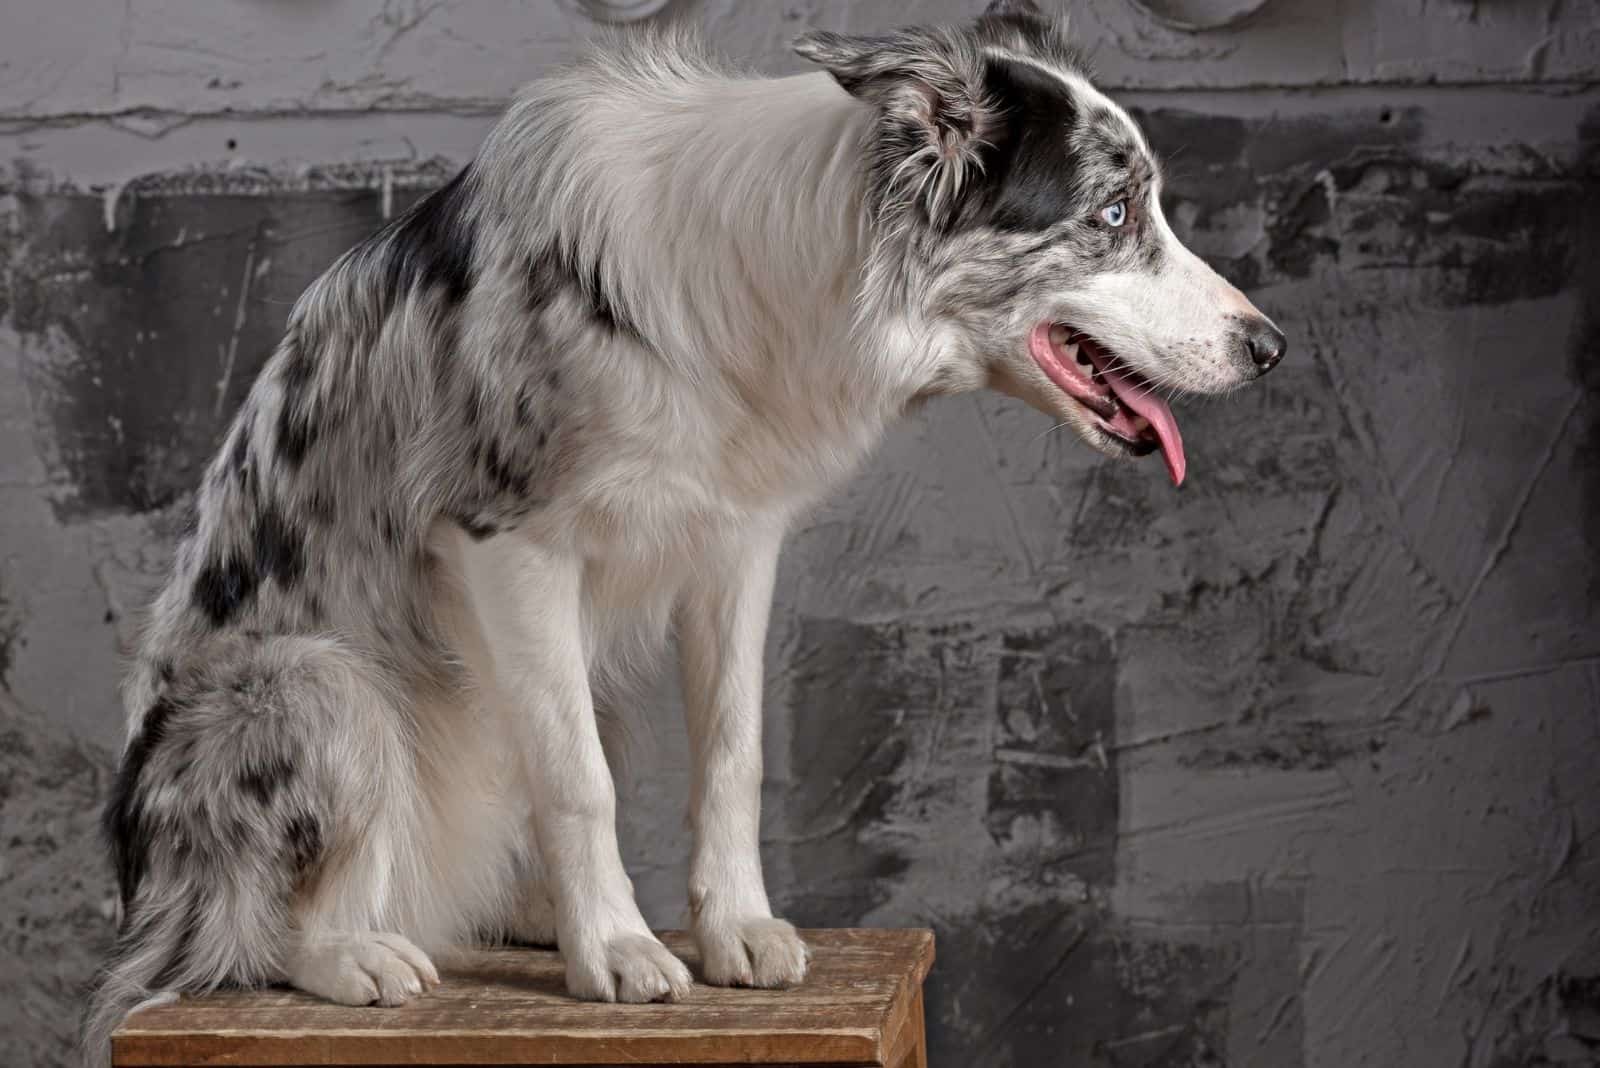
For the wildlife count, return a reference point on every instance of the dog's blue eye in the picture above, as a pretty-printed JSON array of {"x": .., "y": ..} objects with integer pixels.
[{"x": 1115, "y": 214}]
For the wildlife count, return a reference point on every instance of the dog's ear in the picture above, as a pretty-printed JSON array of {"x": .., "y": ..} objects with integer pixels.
[
  {"x": 1025, "y": 8},
  {"x": 929, "y": 87},
  {"x": 875, "y": 67}
]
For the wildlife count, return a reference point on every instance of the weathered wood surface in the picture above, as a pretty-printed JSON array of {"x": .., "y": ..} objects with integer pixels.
[{"x": 861, "y": 1005}]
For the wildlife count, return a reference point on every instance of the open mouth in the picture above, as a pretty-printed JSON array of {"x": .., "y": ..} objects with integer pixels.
[{"x": 1123, "y": 405}]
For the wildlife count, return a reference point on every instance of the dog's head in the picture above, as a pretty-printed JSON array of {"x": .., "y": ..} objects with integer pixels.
[{"x": 1018, "y": 222}]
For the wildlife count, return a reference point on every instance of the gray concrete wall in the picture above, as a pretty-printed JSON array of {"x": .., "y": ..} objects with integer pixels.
[{"x": 1295, "y": 766}]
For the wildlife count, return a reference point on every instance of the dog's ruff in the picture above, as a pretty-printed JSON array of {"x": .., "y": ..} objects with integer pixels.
[{"x": 569, "y": 401}]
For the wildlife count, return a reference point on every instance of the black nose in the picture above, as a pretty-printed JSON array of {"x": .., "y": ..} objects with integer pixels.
[{"x": 1265, "y": 343}]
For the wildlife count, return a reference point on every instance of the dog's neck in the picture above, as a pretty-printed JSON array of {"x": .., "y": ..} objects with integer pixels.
[{"x": 726, "y": 214}]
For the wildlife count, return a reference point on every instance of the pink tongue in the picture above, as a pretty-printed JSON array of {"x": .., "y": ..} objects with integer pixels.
[{"x": 1142, "y": 399}]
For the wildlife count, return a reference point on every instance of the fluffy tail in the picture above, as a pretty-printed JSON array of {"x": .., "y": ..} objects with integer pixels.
[
  {"x": 217, "y": 813},
  {"x": 144, "y": 965},
  {"x": 208, "y": 906}
]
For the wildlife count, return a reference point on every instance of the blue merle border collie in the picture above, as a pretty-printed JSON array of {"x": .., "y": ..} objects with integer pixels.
[{"x": 571, "y": 402}]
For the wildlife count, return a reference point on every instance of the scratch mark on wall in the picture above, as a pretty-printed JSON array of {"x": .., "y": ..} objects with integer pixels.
[
  {"x": 1440, "y": 652},
  {"x": 1033, "y": 992},
  {"x": 1235, "y": 820},
  {"x": 1003, "y": 484},
  {"x": 231, "y": 349}
]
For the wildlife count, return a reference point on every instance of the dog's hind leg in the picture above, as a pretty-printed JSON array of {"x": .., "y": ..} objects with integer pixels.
[
  {"x": 366, "y": 968},
  {"x": 343, "y": 945},
  {"x": 248, "y": 780},
  {"x": 356, "y": 920}
]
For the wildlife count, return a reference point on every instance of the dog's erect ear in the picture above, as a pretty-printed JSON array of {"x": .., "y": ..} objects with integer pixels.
[
  {"x": 877, "y": 65},
  {"x": 929, "y": 86},
  {"x": 1014, "y": 7}
]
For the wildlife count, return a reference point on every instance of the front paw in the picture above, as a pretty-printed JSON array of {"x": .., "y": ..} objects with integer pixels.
[
  {"x": 754, "y": 951},
  {"x": 627, "y": 967}
]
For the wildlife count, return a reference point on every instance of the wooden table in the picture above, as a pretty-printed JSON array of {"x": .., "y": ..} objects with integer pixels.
[{"x": 861, "y": 1005}]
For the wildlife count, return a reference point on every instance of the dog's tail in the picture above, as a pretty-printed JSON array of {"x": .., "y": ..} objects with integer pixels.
[
  {"x": 187, "y": 929},
  {"x": 199, "y": 917},
  {"x": 216, "y": 815},
  {"x": 143, "y": 969}
]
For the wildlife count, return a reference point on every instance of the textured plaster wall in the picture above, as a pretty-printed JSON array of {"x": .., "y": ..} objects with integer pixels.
[{"x": 1295, "y": 766}]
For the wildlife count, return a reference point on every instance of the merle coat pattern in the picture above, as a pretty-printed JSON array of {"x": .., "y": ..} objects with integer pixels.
[{"x": 568, "y": 401}]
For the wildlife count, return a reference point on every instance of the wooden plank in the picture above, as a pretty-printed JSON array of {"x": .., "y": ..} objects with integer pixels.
[
  {"x": 918, "y": 1055},
  {"x": 509, "y": 1007}
]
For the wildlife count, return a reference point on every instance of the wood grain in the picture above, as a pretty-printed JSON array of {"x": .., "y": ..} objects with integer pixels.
[{"x": 860, "y": 1005}]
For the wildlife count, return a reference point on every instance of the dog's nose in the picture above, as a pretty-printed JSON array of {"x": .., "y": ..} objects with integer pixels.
[{"x": 1265, "y": 343}]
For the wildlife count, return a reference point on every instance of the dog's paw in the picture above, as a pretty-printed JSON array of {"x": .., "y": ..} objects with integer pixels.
[
  {"x": 363, "y": 969},
  {"x": 757, "y": 951},
  {"x": 626, "y": 967}
]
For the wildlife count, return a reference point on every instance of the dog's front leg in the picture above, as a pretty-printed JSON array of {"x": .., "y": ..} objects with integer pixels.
[
  {"x": 722, "y": 628},
  {"x": 528, "y": 602}
]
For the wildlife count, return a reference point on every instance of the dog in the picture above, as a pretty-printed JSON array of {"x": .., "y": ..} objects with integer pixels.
[{"x": 566, "y": 405}]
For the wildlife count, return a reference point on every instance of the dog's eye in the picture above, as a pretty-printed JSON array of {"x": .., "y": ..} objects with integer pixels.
[{"x": 1115, "y": 214}]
